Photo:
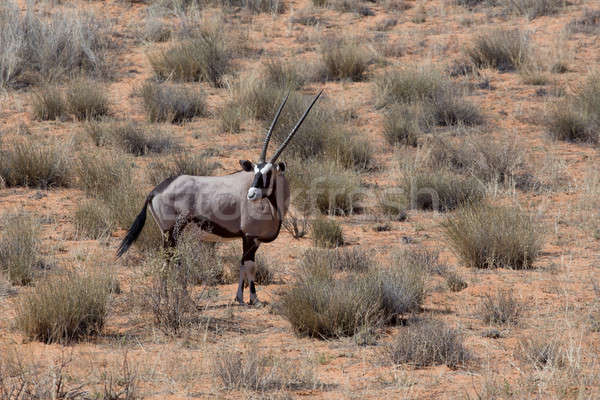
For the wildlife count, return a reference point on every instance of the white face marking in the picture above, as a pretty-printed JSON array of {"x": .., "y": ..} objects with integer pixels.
[{"x": 266, "y": 168}]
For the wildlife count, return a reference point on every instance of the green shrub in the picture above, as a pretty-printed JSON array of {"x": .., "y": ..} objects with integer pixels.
[
  {"x": 485, "y": 236},
  {"x": 440, "y": 190},
  {"x": 19, "y": 247},
  {"x": 180, "y": 164},
  {"x": 170, "y": 103},
  {"x": 93, "y": 220},
  {"x": 48, "y": 104},
  {"x": 64, "y": 308},
  {"x": 504, "y": 50},
  {"x": 327, "y": 232},
  {"x": 501, "y": 309},
  {"x": 205, "y": 57},
  {"x": 27, "y": 163},
  {"x": 428, "y": 342},
  {"x": 87, "y": 99}
]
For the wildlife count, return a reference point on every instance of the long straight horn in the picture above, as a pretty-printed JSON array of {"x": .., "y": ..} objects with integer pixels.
[
  {"x": 263, "y": 154},
  {"x": 293, "y": 132}
]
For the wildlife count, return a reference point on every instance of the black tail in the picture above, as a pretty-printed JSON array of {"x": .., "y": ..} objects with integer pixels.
[{"x": 135, "y": 230}]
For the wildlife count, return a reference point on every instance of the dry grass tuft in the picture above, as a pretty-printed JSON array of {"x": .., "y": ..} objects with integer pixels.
[
  {"x": 486, "y": 236},
  {"x": 92, "y": 220},
  {"x": 428, "y": 342},
  {"x": 32, "y": 164},
  {"x": 36, "y": 47},
  {"x": 327, "y": 232},
  {"x": 505, "y": 50},
  {"x": 48, "y": 104},
  {"x": 204, "y": 57},
  {"x": 87, "y": 99},
  {"x": 588, "y": 23},
  {"x": 343, "y": 59},
  {"x": 353, "y": 259},
  {"x": 501, "y": 309},
  {"x": 171, "y": 103},
  {"x": 182, "y": 163},
  {"x": 64, "y": 308},
  {"x": 260, "y": 373},
  {"x": 20, "y": 246}
]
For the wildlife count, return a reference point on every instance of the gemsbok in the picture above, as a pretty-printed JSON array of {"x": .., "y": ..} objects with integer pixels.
[{"x": 248, "y": 204}]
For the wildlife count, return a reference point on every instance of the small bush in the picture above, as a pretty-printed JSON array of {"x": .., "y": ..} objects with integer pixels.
[
  {"x": 260, "y": 373},
  {"x": 542, "y": 352},
  {"x": 318, "y": 305},
  {"x": 352, "y": 259},
  {"x": 180, "y": 164},
  {"x": 199, "y": 259},
  {"x": 348, "y": 150},
  {"x": 455, "y": 282},
  {"x": 504, "y": 50},
  {"x": 402, "y": 126},
  {"x": 231, "y": 118},
  {"x": 31, "y": 164},
  {"x": 19, "y": 247},
  {"x": 485, "y": 236},
  {"x": 326, "y": 188},
  {"x": 327, "y": 232},
  {"x": 48, "y": 104},
  {"x": 501, "y": 309},
  {"x": 136, "y": 139},
  {"x": 38, "y": 47},
  {"x": 283, "y": 74},
  {"x": 535, "y": 8},
  {"x": 409, "y": 85},
  {"x": 589, "y": 22},
  {"x": 428, "y": 342},
  {"x": 93, "y": 220},
  {"x": 205, "y": 57},
  {"x": 402, "y": 286},
  {"x": 343, "y": 59},
  {"x": 64, "y": 308},
  {"x": 393, "y": 203},
  {"x": 440, "y": 190},
  {"x": 99, "y": 174},
  {"x": 169, "y": 296},
  {"x": 87, "y": 99},
  {"x": 170, "y": 103},
  {"x": 577, "y": 117}
]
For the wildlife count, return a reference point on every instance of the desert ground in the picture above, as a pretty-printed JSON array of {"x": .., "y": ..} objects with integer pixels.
[{"x": 432, "y": 112}]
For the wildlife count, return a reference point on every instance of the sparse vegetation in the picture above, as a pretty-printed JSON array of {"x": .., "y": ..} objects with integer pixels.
[
  {"x": 343, "y": 59},
  {"x": 38, "y": 47},
  {"x": 205, "y": 57},
  {"x": 64, "y": 308},
  {"x": 33, "y": 164},
  {"x": 535, "y": 8},
  {"x": 171, "y": 103},
  {"x": 327, "y": 232},
  {"x": 485, "y": 236},
  {"x": 93, "y": 220},
  {"x": 182, "y": 163},
  {"x": 100, "y": 173},
  {"x": 455, "y": 282},
  {"x": 352, "y": 259},
  {"x": 501, "y": 308},
  {"x": 260, "y": 372},
  {"x": 589, "y": 22},
  {"x": 577, "y": 117},
  {"x": 199, "y": 259},
  {"x": 48, "y": 103},
  {"x": 87, "y": 99},
  {"x": 20, "y": 246},
  {"x": 440, "y": 190},
  {"x": 135, "y": 139},
  {"x": 505, "y": 50},
  {"x": 428, "y": 342},
  {"x": 402, "y": 126}
]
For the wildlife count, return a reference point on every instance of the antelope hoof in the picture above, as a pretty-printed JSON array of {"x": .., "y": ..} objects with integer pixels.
[
  {"x": 239, "y": 300},
  {"x": 256, "y": 303}
]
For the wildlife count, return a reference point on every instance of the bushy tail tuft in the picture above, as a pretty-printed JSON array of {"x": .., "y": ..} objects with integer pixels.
[{"x": 134, "y": 231}]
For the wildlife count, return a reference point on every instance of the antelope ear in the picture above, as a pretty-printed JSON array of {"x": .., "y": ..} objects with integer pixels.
[
  {"x": 281, "y": 166},
  {"x": 247, "y": 165}
]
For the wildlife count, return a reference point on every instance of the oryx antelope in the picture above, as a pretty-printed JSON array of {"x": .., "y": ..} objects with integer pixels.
[{"x": 248, "y": 204}]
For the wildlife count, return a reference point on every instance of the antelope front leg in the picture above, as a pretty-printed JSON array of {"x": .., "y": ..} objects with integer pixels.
[
  {"x": 239, "y": 297},
  {"x": 251, "y": 276}
]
